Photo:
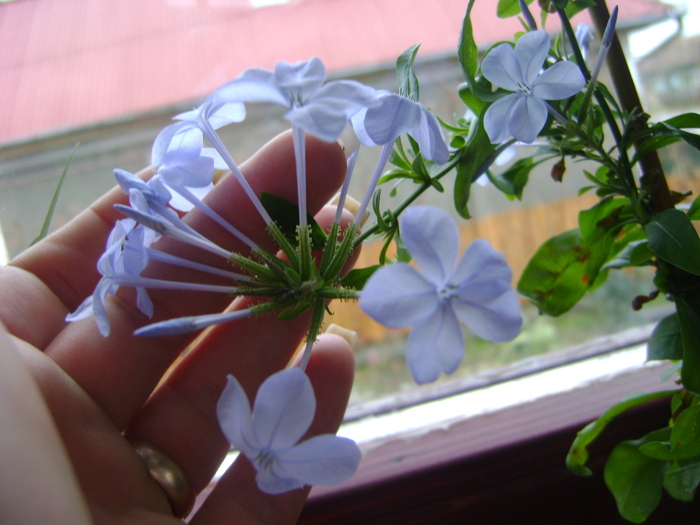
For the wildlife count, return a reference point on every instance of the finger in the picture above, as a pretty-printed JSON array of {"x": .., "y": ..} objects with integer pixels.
[
  {"x": 135, "y": 365},
  {"x": 236, "y": 497},
  {"x": 180, "y": 417},
  {"x": 37, "y": 483}
]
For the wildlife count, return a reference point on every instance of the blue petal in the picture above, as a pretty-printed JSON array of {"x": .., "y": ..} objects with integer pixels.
[
  {"x": 274, "y": 480},
  {"x": 320, "y": 120},
  {"x": 301, "y": 78},
  {"x": 489, "y": 309},
  {"x": 233, "y": 412},
  {"x": 481, "y": 261},
  {"x": 253, "y": 85},
  {"x": 496, "y": 117},
  {"x": 435, "y": 345},
  {"x": 398, "y": 296},
  {"x": 501, "y": 67},
  {"x": 526, "y": 119},
  {"x": 284, "y": 409},
  {"x": 181, "y": 136},
  {"x": 321, "y": 460},
  {"x": 564, "y": 79},
  {"x": 430, "y": 138},
  {"x": 531, "y": 51},
  {"x": 432, "y": 238},
  {"x": 394, "y": 116}
]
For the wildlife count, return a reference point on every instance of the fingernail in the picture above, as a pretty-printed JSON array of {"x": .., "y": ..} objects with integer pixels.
[
  {"x": 352, "y": 206},
  {"x": 348, "y": 141},
  {"x": 348, "y": 335}
]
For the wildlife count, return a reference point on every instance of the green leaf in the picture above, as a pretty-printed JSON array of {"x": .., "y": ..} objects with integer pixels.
[
  {"x": 508, "y": 8},
  {"x": 517, "y": 175},
  {"x": 52, "y": 206},
  {"x": 358, "y": 277},
  {"x": 468, "y": 55},
  {"x": 569, "y": 264},
  {"x": 577, "y": 457},
  {"x": 576, "y": 6},
  {"x": 685, "y": 120},
  {"x": 286, "y": 215},
  {"x": 689, "y": 321},
  {"x": 694, "y": 210},
  {"x": 407, "y": 80},
  {"x": 673, "y": 238},
  {"x": 690, "y": 138},
  {"x": 684, "y": 441},
  {"x": 682, "y": 479},
  {"x": 474, "y": 159},
  {"x": 666, "y": 341},
  {"x": 634, "y": 479}
]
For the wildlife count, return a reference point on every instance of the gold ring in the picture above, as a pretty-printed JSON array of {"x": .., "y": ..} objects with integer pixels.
[{"x": 169, "y": 476}]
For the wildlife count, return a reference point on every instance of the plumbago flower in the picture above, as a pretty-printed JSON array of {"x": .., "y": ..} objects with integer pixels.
[
  {"x": 123, "y": 261},
  {"x": 320, "y": 109},
  {"x": 523, "y": 113},
  {"x": 475, "y": 290},
  {"x": 269, "y": 435},
  {"x": 393, "y": 116}
]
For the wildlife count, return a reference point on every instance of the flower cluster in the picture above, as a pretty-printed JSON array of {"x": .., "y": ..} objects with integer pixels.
[{"x": 475, "y": 290}]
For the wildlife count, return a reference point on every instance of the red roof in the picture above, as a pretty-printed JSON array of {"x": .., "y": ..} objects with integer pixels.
[{"x": 71, "y": 63}]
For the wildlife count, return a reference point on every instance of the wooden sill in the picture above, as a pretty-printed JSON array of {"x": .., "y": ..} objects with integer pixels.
[{"x": 503, "y": 467}]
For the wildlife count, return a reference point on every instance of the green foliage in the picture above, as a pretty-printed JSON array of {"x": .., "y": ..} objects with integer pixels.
[
  {"x": 286, "y": 215},
  {"x": 689, "y": 319},
  {"x": 508, "y": 8},
  {"x": 407, "y": 80},
  {"x": 673, "y": 238},
  {"x": 635, "y": 479},
  {"x": 52, "y": 206},
  {"x": 577, "y": 457},
  {"x": 566, "y": 266},
  {"x": 474, "y": 158},
  {"x": 666, "y": 341}
]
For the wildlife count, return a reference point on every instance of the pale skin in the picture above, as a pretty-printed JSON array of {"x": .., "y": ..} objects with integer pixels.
[{"x": 70, "y": 399}]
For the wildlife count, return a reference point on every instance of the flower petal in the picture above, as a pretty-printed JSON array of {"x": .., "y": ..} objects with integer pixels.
[
  {"x": 253, "y": 85},
  {"x": 319, "y": 120},
  {"x": 564, "y": 79},
  {"x": 481, "y": 261},
  {"x": 301, "y": 78},
  {"x": 321, "y": 460},
  {"x": 284, "y": 409},
  {"x": 496, "y": 117},
  {"x": 233, "y": 412},
  {"x": 430, "y": 138},
  {"x": 275, "y": 481},
  {"x": 501, "y": 67},
  {"x": 531, "y": 51},
  {"x": 393, "y": 116},
  {"x": 526, "y": 119},
  {"x": 432, "y": 239},
  {"x": 398, "y": 295},
  {"x": 490, "y": 309},
  {"x": 435, "y": 345}
]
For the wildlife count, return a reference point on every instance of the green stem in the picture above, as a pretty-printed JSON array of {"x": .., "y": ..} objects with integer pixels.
[
  {"x": 653, "y": 180},
  {"x": 411, "y": 199}
]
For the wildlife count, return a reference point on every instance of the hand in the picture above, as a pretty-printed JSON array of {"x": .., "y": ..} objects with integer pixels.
[{"x": 72, "y": 401}]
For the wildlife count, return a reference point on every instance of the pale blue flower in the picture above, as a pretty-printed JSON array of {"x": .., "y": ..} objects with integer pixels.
[
  {"x": 523, "y": 114},
  {"x": 475, "y": 290},
  {"x": 269, "y": 436},
  {"x": 124, "y": 258},
  {"x": 321, "y": 109},
  {"x": 383, "y": 123}
]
